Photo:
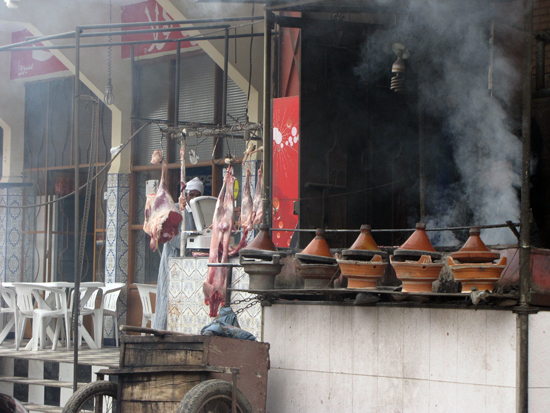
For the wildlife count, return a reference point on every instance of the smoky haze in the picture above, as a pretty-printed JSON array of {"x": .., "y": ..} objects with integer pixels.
[{"x": 450, "y": 50}]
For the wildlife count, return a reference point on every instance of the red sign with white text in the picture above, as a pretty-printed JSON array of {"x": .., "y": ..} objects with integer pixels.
[
  {"x": 33, "y": 62},
  {"x": 151, "y": 11},
  {"x": 286, "y": 142}
]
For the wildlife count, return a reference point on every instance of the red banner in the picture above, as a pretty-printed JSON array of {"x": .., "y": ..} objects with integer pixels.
[
  {"x": 153, "y": 12},
  {"x": 286, "y": 142},
  {"x": 33, "y": 62}
]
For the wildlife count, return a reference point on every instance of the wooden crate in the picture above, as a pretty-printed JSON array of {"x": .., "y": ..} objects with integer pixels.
[{"x": 156, "y": 372}]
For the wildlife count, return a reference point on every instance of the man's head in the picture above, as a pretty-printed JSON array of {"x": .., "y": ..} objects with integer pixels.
[{"x": 194, "y": 188}]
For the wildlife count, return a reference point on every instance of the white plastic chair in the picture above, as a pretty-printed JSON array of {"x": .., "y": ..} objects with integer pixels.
[
  {"x": 144, "y": 294},
  {"x": 87, "y": 307},
  {"x": 109, "y": 303},
  {"x": 41, "y": 316},
  {"x": 8, "y": 294},
  {"x": 23, "y": 311},
  {"x": 109, "y": 298}
]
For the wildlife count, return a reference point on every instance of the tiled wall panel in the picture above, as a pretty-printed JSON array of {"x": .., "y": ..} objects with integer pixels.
[
  {"x": 11, "y": 238},
  {"x": 187, "y": 312},
  {"x": 116, "y": 242}
]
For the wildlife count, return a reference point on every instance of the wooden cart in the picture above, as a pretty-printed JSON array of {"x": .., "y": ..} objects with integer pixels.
[{"x": 171, "y": 372}]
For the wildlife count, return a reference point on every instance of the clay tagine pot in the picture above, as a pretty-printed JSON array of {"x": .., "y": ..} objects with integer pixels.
[
  {"x": 363, "y": 263},
  {"x": 413, "y": 262},
  {"x": 417, "y": 245},
  {"x": 473, "y": 264},
  {"x": 261, "y": 261},
  {"x": 475, "y": 250},
  {"x": 417, "y": 276},
  {"x": 316, "y": 264},
  {"x": 364, "y": 247},
  {"x": 261, "y": 245},
  {"x": 317, "y": 251}
]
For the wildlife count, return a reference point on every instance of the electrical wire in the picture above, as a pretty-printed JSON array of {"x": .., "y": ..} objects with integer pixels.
[{"x": 83, "y": 186}]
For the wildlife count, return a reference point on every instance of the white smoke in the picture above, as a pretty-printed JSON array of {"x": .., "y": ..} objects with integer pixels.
[{"x": 450, "y": 49}]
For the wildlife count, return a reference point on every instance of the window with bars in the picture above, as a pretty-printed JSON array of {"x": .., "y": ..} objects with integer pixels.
[
  {"x": 200, "y": 95},
  {"x": 48, "y": 230}
]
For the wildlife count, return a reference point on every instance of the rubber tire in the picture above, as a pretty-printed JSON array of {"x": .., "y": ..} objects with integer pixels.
[
  {"x": 208, "y": 389},
  {"x": 82, "y": 395}
]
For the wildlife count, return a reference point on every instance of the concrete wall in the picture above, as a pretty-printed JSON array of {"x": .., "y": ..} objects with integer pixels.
[{"x": 367, "y": 359}]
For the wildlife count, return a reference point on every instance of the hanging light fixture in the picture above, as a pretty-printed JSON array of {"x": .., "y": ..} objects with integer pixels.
[
  {"x": 398, "y": 67},
  {"x": 109, "y": 97}
]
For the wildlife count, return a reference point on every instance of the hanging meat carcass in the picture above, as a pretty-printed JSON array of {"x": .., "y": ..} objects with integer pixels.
[
  {"x": 222, "y": 224},
  {"x": 258, "y": 205},
  {"x": 162, "y": 218},
  {"x": 247, "y": 215},
  {"x": 247, "y": 206}
]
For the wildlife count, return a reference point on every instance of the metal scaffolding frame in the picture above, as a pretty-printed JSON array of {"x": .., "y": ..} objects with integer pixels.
[{"x": 78, "y": 34}]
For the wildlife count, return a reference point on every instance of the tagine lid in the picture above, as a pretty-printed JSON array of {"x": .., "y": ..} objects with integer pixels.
[
  {"x": 317, "y": 250},
  {"x": 364, "y": 244},
  {"x": 318, "y": 245},
  {"x": 417, "y": 245},
  {"x": 260, "y": 246},
  {"x": 475, "y": 250},
  {"x": 419, "y": 240}
]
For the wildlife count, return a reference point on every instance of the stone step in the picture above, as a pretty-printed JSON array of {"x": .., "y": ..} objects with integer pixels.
[
  {"x": 39, "y": 382},
  {"x": 32, "y": 407}
]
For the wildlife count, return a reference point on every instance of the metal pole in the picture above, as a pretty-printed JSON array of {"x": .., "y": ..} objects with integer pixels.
[
  {"x": 177, "y": 86},
  {"x": 225, "y": 77},
  {"x": 229, "y": 281},
  {"x": 539, "y": 63},
  {"x": 197, "y": 38},
  {"x": 54, "y": 36},
  {"x": 76, "y": 297},
  {"x": 182, "y": 149},
  {"x": 266, "y": 200},
  {"x": 133, "y": 80},
  {"x": 422, "y": 172},
  {"x": 524, "y": 251},
  {"x": 145, "y": 31},
  {"x": 197, "y": 21}
]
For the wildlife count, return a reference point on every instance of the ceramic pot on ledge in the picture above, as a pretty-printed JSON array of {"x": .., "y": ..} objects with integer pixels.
[
  {"x": 473, "y": 265},
  {"x": 414, "y": 264},
  {"x": 364, "y": 263},
  {"x": 261, "y": 261},
  {"x": 316, "y": 264}
]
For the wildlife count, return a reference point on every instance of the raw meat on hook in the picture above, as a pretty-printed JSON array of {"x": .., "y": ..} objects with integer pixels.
[
  {"x": 214, "y": 286},
  {"x": 258, "y": 204},
  {"x": 162, "y": 218}
]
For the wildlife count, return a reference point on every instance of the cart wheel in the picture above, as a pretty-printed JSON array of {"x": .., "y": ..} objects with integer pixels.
[
  {"x": 97, "y": 397},
  {"x": 213, "y": 396}
]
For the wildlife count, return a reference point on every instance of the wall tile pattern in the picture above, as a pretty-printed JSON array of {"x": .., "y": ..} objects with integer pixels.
[
  {"x": 11, "y": 238},
  {"x": 187, "y": 312},
  {"x": 29, "y": 271},
  {"x": 116, "y": 241}
]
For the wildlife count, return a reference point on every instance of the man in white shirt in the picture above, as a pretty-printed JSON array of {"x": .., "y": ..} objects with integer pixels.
[{"x": 193, "y": 189}]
